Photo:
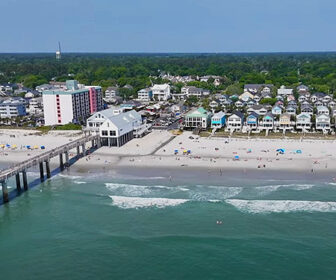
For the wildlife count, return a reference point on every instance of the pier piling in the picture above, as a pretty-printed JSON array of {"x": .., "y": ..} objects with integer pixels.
[
  {"x": 61, "y": 161},
  {"x": 41, "y": 171},
  {"x": 84, "y": 151},
  {"x": 18, "y": 183},
  {"x": 48, "y": 169},
  {"x": 25, "y": 182},
  {"x": 4, "y": 192},
  {"x": 78, "y": 152},
  {"x": 67, "y": 163}
]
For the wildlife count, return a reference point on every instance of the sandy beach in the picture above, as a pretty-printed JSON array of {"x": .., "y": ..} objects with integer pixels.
[{"x": 158, "y": 149}]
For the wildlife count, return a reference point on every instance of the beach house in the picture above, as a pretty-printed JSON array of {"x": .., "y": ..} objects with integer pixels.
[
  {"x": 218, "y": 120},
  {"x": 246, "y": 96},
  {"x": 322, "y": 123},
  {"x": 235, "y": 121},
  {"x": 308, "y": 109},
  {"x": 322, "y": 110},
  {"x": 199, "y": 118},
  {"x": 252, "y": 121},
  {"x": 303, "y": 122},
  {"x": 267, "y": 122},
  {"x": 259, "y": 109},
  {"x": 276, "y": 110},
  {"x": 283, "y": 91},
  {"x": 285, "y": 122}
]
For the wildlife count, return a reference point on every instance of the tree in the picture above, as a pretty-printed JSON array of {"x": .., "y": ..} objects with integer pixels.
[{"x": 234, "y": 89}]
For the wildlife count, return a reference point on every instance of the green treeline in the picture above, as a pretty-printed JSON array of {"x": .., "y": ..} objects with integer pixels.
[{"x": 316, "y": 70}]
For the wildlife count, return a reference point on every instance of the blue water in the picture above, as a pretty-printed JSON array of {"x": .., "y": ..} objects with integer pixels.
[{"x": 101, "y": 227}]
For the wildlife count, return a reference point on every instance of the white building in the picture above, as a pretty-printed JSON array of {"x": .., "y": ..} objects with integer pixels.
[
  {"x": 35, "y": 106},
  {"x": 116, "y": 130},
  {"x": 111, "y": 92},
  {"x": 283, "y": 91},
  {"x": 12, "y": 108},
  {"x": 161, "y": 92},
  {"x": 71, "y": 105},
  {"x": 145, "y": 94}
]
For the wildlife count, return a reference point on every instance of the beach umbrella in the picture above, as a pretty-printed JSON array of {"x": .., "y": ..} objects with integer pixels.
[
  {"x": 236, "y": 157},
  {"x": 298, "y": 151},
  {"x": 14, "y": 146},
  {"x": 35, "y": 147},
  {"x": 189, "y": 151},
  {"x": 176, "y": 151},
  {"x": 28, "y": 146},
  {"x": 280, "y": 150},
  {"x": 42, "y": 147},
  {"x": 2, "y": 145},
  {"x": 8, "y": 146}
]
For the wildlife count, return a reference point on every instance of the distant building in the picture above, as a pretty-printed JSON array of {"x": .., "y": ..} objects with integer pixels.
[
  {"x": 111, "y": 92},
  {"x": 12, "y": 108},
  {"x": 71, "y": 105},
  {"x": 218, "y": 120},
  {"x": 161, "y": 92},
  {"x": 145, "y": 94},
  {"x": 283, "y": 91}
]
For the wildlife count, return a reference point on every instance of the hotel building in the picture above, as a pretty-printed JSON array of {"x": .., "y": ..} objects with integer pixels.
[{"x": 72, "y": 104}]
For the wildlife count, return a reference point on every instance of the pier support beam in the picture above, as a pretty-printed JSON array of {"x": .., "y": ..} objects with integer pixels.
[
  {"x": 4, "y": 192},
  {"x": 93, "y": 143},
  {"x": 67, "y": 163},
  {"x": 41, "y": 171},
  {"x": 61, "y": 161},
  {"x": 25, "y": 182},
  {"x": 78, "y": 152},
  {"x": 48, "y": 168},
  {"x": 18, "y": 183},
  {"x": 83, "y": 149}
]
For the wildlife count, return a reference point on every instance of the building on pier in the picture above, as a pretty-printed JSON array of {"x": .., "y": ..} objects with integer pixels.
[{"x": 72, "y": 104}]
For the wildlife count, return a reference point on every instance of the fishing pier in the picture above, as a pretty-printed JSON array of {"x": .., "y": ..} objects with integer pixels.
[{"x": 41, "y": 160}]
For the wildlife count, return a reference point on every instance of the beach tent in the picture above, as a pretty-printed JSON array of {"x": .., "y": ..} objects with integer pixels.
[
  {"x": 281, "y": 151},
  {"x": 42, "y": 147}
]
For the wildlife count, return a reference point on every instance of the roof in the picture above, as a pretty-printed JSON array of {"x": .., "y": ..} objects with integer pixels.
[
  {"x": 238, "y": 113},
  {"x": 254, "y": 114},
  {"x": 198, "y": 112},
  {"x": 303, "y": 115},
  {"x": 319, "y": 108},
  {"x": 160, "y": 87},
  {"x": 219, "y": 115}
]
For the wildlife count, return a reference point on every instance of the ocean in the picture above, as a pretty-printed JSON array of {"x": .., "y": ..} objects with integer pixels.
[{"x": 163, "y": 225}]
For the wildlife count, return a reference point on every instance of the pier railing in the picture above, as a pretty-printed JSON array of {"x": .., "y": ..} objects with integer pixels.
[{"x": 46, "y": 156}]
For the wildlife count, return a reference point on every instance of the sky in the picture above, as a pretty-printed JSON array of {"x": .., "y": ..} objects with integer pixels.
[{"x": 168, "y": 26}]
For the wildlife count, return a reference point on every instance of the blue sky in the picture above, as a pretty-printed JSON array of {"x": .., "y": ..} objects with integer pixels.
[{"x": 168, "y": 26}]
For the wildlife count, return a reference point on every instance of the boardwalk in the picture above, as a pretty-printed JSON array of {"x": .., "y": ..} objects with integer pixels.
[{"x": 45, "y": 158}]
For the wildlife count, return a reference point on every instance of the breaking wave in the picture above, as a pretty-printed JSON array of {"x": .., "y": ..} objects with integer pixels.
[
  {"x": 142, "y": 202},
  {"x": 281, "y": 206},
  {"x": 264, "y": 190}
]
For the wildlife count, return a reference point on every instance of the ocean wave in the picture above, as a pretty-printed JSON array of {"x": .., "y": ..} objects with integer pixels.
[
  {"x": 202, "y": 193},
  {"x": 72, "y": 177},
  {"x": 332, "y": 184},
  {"x": 281, "y": 206},
  {"x": 264, "y": 190},
  {"x": 140, "y": 190},
  {"x": 79, "y": 182},
  {"x": 143, "y": 202}
]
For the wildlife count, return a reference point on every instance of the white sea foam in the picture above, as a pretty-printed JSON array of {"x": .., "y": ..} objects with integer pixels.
[
  {"x": 79, "y": 182},
  {"x": 332, "y": 184},
  {"x": 142, "y": 202},
  {"x": 281, "y": 206},
  {"x": 215, "y": 192},
  {"x": 264, "y": 190},
  {"x": 69, "y": 176}
]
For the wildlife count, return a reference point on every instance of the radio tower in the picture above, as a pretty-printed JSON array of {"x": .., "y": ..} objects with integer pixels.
[{"x": 58, "y": 53}]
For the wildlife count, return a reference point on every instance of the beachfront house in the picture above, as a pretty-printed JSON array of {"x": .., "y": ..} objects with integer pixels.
[
  {"x": 218, "y": 120},
  {"x": 302, "y": 98},
  {"x": 322, "y": 123},
  {"x": 235, "y": 121},
  {"x": 267, "y": 122},
  {"x": 239, "y": 104},
  {"x": 252, "y": 121},
  {"x": 285, "y": 122},
  {"x": 302, "y": 88},
  {"x": 331, "y": 104},
  {"x": 199, "y": 118},
  {"x": 322, "y": 110},
  {"x": 303, "y": 122},
  {"x": 214, "y": 104}
]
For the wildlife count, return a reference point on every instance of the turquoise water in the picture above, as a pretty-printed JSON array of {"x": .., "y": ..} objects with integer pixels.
[{"x": 99, "y": 227}]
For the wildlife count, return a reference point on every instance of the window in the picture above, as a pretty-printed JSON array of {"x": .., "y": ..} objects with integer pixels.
[
  {"x": 113, "y": 133},
  {"x": 104, "y": 132}
]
